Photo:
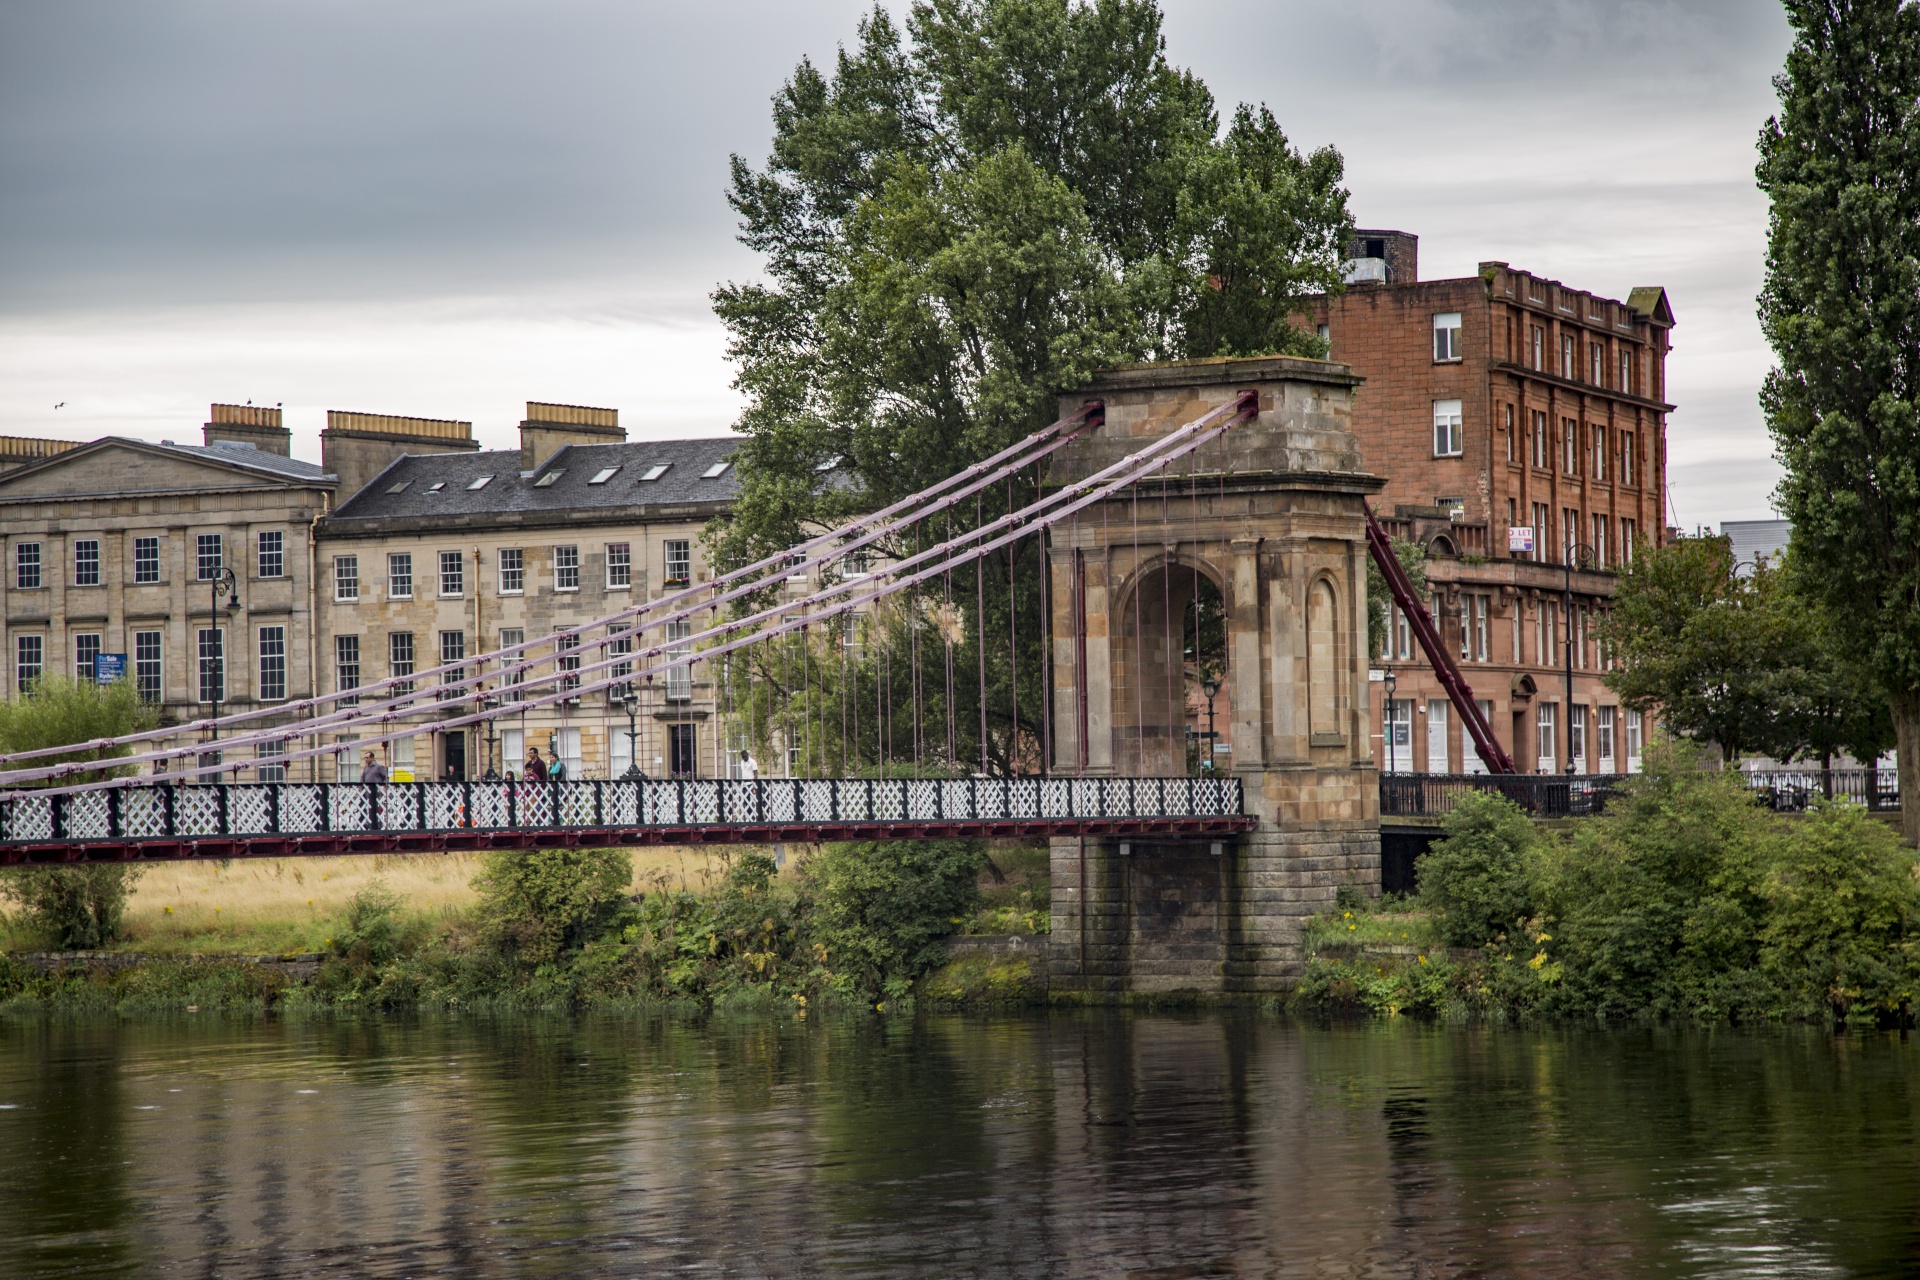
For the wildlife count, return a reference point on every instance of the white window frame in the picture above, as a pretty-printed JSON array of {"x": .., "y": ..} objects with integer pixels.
[
  {"x": 1603, "y": 739},
  {"x": 680, "y": 550},
  {"x": 212, "y": 678},
  {"x": 29, "y": 566},
  {"x": 402, "y": 659},
  {"x": 81, "y": 549},
  {"x": 1449, "y": 438},
  {"x": 400, "y": 571},
  {"x": 512, "y": 563},
  {"x": 1447, "y": 347},
  {"x": 457, "y": 575},
  {"x": 348, "y": 667},
  {"x": 270, "y": 554},
  {"x": 1546, "y": 731},
  {"x": 29, "y": 661},
  {"x": 83, "y": 667},
  {"x": 566, "y": 568},
  {"x": 619, "y": 566},
  {"x": 209, "y": 556},
  {"x": 273, "y": 665},
  {"x": 154, "y": 689},
  {"x": 346, "y": 579},
  {"x": 141, "y": 563}
]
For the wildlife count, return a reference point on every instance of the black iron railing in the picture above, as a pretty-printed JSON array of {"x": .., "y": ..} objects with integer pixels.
[
  {"x": 1544, "y": 795},
  {"x": 1551, "y": 795},
  {"x": 166, "y": 812},
  {"x": 1792, "y": 790}
]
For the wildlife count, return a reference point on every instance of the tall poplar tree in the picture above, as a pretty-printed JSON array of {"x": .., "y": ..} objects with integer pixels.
[{"x": 1841, "y": 307}]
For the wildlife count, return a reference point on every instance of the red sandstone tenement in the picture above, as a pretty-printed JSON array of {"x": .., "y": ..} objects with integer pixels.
[{"x": 1494, "y": 402}]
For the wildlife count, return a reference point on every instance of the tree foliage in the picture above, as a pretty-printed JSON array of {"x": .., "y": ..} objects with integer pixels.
[
  {"x": 880, "y": 908},
  {"x": 961, "y": 220},
  {"x": 76, "y": 907},
  {"x": 537, "y": 904},
  {"x": 1741, "y": 656},
  {"x": 1840, "y": 163}
]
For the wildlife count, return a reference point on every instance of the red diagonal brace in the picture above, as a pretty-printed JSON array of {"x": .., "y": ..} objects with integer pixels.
[{"x": 1459, "y": 692}]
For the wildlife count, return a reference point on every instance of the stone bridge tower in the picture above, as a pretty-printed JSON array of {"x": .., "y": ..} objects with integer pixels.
[{"x": 1268, "y": 522}]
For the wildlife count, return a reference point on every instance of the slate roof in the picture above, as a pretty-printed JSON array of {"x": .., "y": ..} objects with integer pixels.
[
  {"x": 252, "y": 459},
  {"x": 509, "y": 495}
]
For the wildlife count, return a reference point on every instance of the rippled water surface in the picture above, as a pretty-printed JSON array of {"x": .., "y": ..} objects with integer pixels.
[{"x": 1062, "y": 1145}]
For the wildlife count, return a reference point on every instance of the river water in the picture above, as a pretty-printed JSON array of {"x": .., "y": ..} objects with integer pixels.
[{"x": 1046, "y": 1145}]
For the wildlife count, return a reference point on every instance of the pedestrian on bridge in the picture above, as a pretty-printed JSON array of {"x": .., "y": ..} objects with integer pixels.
[
  {"x": 372, "y": 772},
  {"x": 749, "y": 768},
  {"x": 536, "y": 767}
]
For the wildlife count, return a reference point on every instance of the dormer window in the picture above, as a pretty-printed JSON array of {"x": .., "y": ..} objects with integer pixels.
[
  {"x": 656, "y": 471},
  {"x": 715, "y": 471},
  {"x": 603, "y": 475},
  {"x": 481, "y": 483},
  {"x": 402, "y": 487},
  {"x": 547, "y": 479},
  {"x": 828, "y": 465}
]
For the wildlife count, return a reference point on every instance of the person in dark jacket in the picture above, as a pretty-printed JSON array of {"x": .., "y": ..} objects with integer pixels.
[
  {"x": 536, "y": 767},
  {"x": 372, "y": 772}
]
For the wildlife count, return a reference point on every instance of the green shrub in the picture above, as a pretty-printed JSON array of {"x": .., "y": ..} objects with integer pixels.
[
  {"x": 74, "y": 908},
  {"x": 1842, "y": 904},
  {"x": 1475, "y": 881},
  {"x": 536, "y": 905},
  {"x": 370, "y": 934},
  {"x": 880, "y": 908},
  {"x": 1656, "y": 907}
]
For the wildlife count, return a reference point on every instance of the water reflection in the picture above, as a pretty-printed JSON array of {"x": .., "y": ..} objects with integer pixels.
[{"x": 1065, "y": 1145}]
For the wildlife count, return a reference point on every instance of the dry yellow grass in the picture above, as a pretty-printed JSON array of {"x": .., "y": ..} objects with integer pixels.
[{"x": 267, "y": 906}]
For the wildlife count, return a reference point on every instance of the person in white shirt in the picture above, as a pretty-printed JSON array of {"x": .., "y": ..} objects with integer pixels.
[{"x": 748, "y": 769}]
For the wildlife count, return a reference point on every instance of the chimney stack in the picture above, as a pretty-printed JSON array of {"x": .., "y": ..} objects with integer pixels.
[
  {"x": 358, "y": 446},
  {"x": 247, "y": 424},
  {"x": 550, "y": 426}
]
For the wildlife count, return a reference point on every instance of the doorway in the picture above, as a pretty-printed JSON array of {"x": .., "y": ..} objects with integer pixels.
[
  {"x": 682, "y": 750},
  {"x": 453, "y": 755}
]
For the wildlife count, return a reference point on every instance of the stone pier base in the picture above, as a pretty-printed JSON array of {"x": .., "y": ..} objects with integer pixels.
[{"x": 1174, "y": 916}]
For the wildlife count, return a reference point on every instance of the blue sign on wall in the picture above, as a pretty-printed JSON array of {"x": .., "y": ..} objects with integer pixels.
[{"x": 108, "y": 667}]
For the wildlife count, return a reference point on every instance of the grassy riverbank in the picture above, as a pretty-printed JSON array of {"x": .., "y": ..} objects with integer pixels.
[{"x": 557, "y": 929}]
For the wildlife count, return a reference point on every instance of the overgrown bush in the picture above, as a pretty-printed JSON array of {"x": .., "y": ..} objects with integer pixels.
[
  {"x": 537, "y": 904},
  {"x": 1475, "y": 881},
  {"x": 74, "y": 907},
  {"x": 1687, "y": 898},
  {"x": 880, "y": 908},
  {"x": 370, "y": 933}
]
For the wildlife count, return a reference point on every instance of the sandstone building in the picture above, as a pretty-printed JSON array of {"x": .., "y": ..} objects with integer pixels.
[
  {"x": 442, "y": 557},
  {"x": 1520, "y": 425},
  {"x": 119, "y": 548}
]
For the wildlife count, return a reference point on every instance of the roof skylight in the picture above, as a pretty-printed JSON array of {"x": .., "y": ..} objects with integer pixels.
[
  {"x": 715, "y": 471},
  {"x": 603, "y": 475},
  {"x": 402, "y": 487},
  {"x": 829, "y": 464},
  {"x": 549, "y": 478},
  {"x": 481, "y": 483},
  {"x": 656, "y": 471},
  {"x": 436, "y": 486}
]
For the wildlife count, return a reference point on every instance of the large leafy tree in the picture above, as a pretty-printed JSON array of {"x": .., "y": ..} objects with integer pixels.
[
  {"x": 1841, "y": 307},
  {"x": 1739, "y": 656},
  {"x": 964, "y": 219}
]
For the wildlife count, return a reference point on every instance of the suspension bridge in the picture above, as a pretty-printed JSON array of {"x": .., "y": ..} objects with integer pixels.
[{"x": 1160, "y": 493}]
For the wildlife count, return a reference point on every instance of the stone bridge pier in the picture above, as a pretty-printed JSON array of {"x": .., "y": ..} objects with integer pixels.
[{"x": 1267, "y": 525}]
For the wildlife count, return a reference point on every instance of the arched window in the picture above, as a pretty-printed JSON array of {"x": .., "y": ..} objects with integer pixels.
[{"x": 1324, "y": 703}]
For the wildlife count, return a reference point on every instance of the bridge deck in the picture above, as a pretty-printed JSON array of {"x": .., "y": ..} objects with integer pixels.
[{"x": 160, "y": 821}]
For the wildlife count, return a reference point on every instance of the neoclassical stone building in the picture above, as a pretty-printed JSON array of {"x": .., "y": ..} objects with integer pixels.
[
  {"x": 120, "y": 548},
  {"x": 438, "y": 559}
]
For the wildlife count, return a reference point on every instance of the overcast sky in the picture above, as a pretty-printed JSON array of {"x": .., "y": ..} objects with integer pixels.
[{"x": 447, "y": 209}]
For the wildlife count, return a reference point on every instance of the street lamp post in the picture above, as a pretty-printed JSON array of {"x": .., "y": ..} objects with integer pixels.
[
  {"x": 630, "y": 703},
  {"x": 223, "y": 583},
  {"x": 1386, "y": 715},
  {"x": 1584, "y": 554},
  {"x": 491, "y": 704},
  {"x": 1210, "y": 686}
]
